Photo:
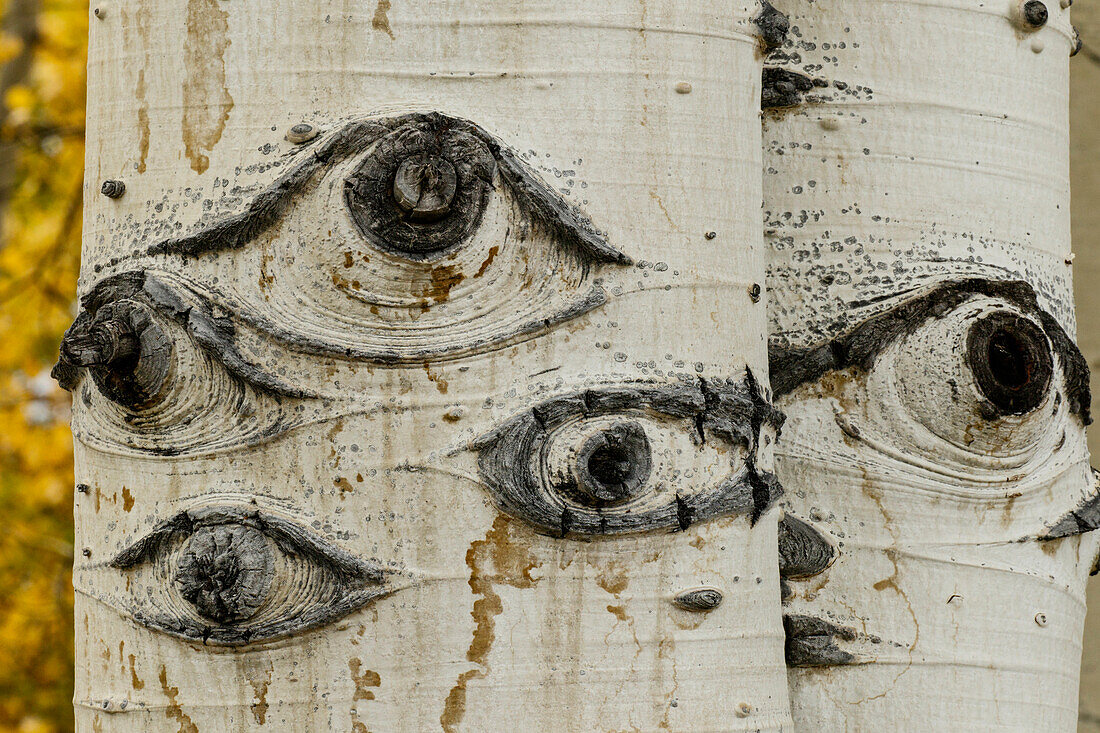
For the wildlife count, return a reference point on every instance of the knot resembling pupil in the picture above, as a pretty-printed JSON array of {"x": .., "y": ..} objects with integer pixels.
[
  {"x": 1010, "y": 357},
  {"x": 424, "y": 187},
  {"x": 613, "y": 465},
  {"x": 225, "y": 571}
]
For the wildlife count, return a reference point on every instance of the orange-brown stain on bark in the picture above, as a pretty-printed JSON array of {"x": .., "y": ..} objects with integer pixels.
[
  {"x": 441, "y": 384},
  {"x": 172, "y": 710},
  {"x": 127, "y": 499},
  {"x": 613, "y": 578},
  {"x": 498, "y": 558},
  {"x": 260, "y": 684},
  {"x": 344, "y": 485},
  {"x": 488, "y": 260},
  {"x": 136, "y": 682},
  {"x": 363, "y": 681},
  {"x": 381, "y": 21},
  {"x": 444, "y": 277},
  {"x": 143, "y": 121},
  {"x": 206, "y": 98}
]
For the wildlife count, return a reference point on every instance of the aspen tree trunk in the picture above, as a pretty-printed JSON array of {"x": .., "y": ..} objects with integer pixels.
[
  {"x": 403, "y": 395},
  {"x": 916, "y": 207}
]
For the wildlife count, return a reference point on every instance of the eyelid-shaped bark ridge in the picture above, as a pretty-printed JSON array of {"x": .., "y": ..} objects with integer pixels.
[
  {"x": 290, "y": 537},
  {"x": 859, "y": 347},
  {"x": 267, "y": 207}
]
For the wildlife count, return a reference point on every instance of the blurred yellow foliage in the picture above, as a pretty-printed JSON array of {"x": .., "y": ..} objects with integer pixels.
[{"x": 42, "y": 133}]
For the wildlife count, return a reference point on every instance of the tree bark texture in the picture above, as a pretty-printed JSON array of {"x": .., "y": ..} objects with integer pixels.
[{"x": 420, "y": 374}]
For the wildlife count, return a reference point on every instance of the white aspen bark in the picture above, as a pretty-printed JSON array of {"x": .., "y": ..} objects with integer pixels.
[
  {"x": 375, "y": 430},
  {"x": 916, "y": 206}
]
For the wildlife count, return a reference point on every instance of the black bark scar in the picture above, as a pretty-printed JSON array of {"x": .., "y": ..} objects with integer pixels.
[
  {"x": 812, "y": 642},
  {"x": 803, "y": 551}
]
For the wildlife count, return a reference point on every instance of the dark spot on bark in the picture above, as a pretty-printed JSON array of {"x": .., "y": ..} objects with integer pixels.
[
  {"x": 783, "y": 88},
  {"x": 699, "y": 599},
  {"x": 113, "y": 189},
  {"x": 803, "y": 551},
  {"x": 1011, "y": 360},
  {"x": 1035, "y": 13}
]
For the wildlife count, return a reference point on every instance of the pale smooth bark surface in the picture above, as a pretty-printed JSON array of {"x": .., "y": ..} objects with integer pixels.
[
  {"x": 331, "y": 483},
  {"x": 916, "y": 205}
]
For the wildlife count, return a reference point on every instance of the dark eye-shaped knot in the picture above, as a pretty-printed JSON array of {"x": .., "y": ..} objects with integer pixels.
[
  {"x": 423, "y": 189},
  {"x": 400, "y": 240},
  {"x": 633, "y": 458},
  {"x": 1011, "y": 360},
  {"x": 231, "y": 575},
  {"x": 127, "y": 353},
  {"x": 610, "y": 466},
  {"x": 225, "y": 571}
]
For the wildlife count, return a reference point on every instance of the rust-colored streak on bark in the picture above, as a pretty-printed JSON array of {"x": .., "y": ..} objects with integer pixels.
[
  {"x": 143, "y": 121},
  {"x": 206, "y": 98},
  {"x": 364, "y": 681},
  {"x": 441, "y": 384},
  {"x": 488, "y": 261},
  {"x": 172, "y": 710},
  {"x": 495, "y": 559},
  {"x": 444, "y": 278},
  {"x": 613, "y": 578},
  {"x": 259, "y": 691},
  {"x": 381, "y": 21},
  {"x": 127, "y": 499},
  {"x": 136, "y": 682}
]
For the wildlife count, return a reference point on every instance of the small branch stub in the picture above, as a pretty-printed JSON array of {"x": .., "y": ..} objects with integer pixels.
[
  {"x": 699, "y": 599},
  {"x": 424, "y": 187},
  {"x": 112, "y": 188},
  {"x": 303, "y": 132},
  {"x": 1041, "y": 619},
  {"x": 1031, "y": 15}
]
